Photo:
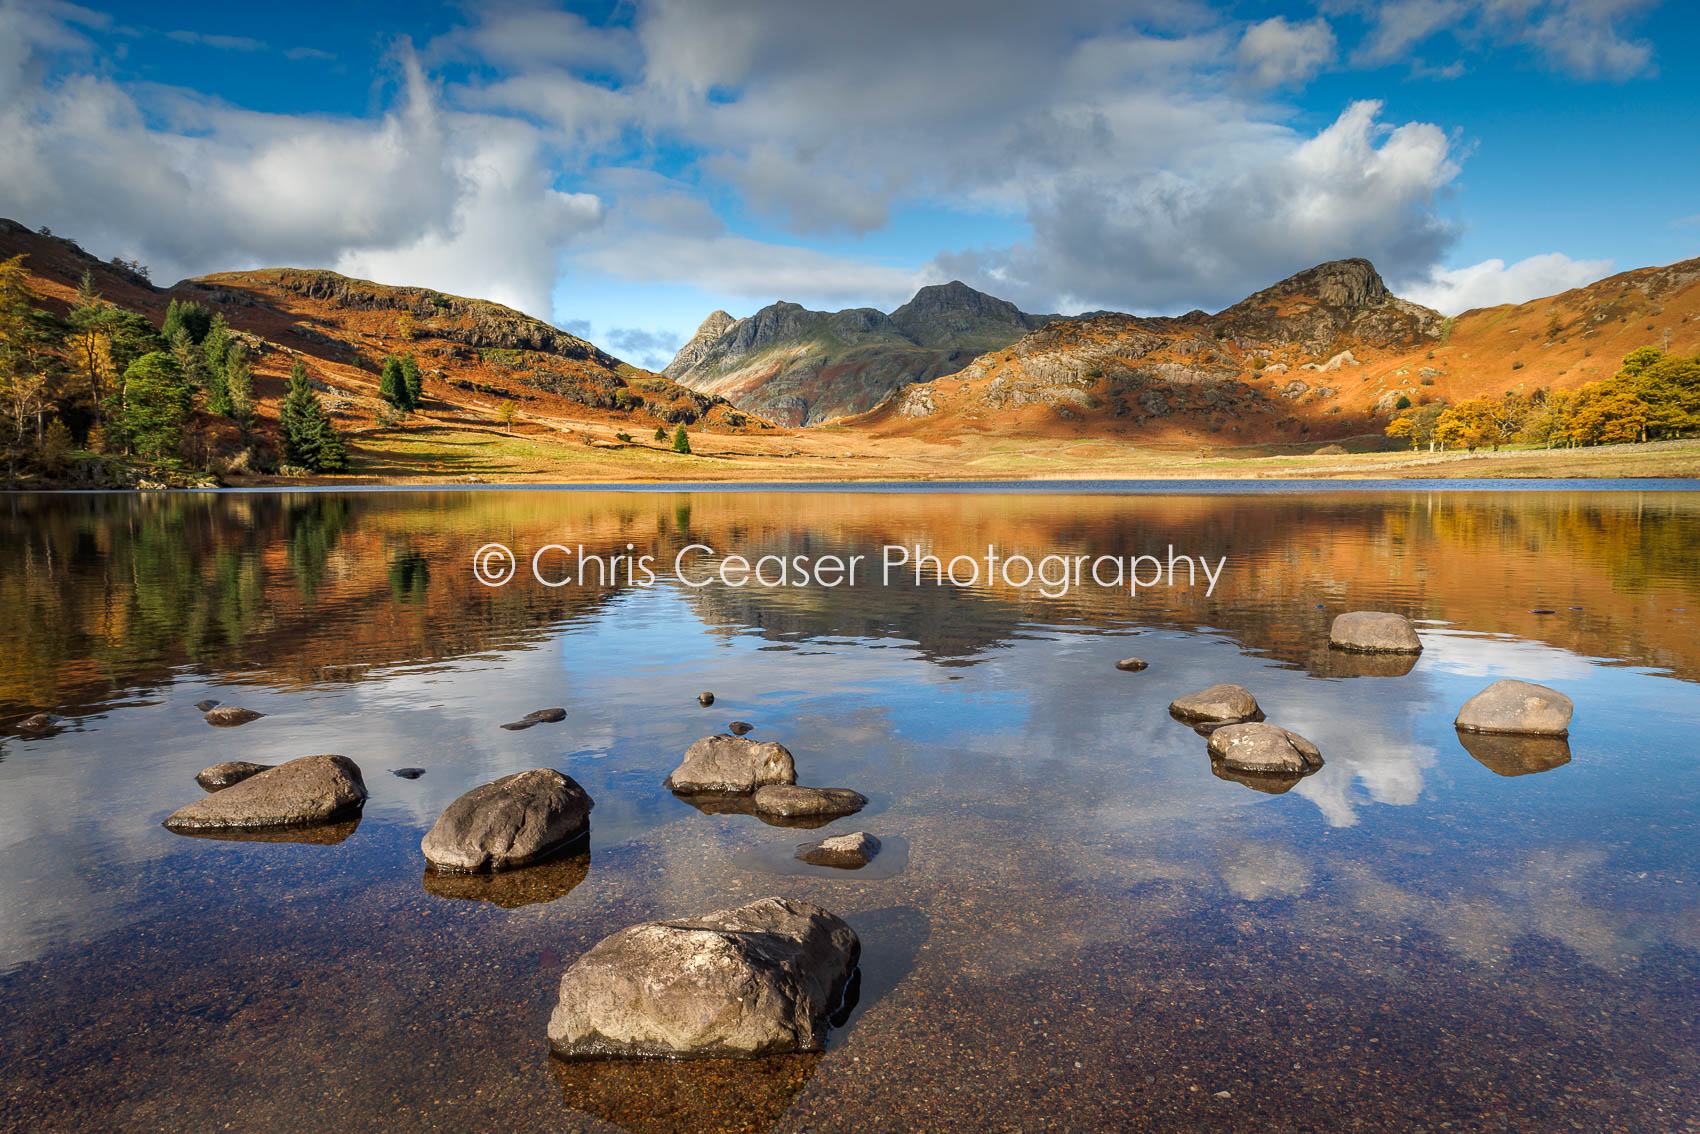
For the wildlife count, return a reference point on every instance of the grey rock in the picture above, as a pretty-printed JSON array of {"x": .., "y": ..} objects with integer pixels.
[
  {"x": 792, "y": 802},
  {"x": 229, "y": 716},
  {"x": 1219, "y": 704},
  {"x": 1374, "y": 632},
  {"x": 540, "y": 716},
  {"x": 732, "y": 764},
  {"x": 760, "y": 979},
  {"x": 203, "y": 706},
  {"x": 1132, "y": 665},
  {"x": 509, "y": 822},
  {"x": 1520, "y": 707},
  {"x": 1260, "y": 747},
  {"x": 847, "y": 852},
  {"x": 35, "y": 724},
  {"x": 221, "y": 776},
  {"x": 307, "y": 790}
]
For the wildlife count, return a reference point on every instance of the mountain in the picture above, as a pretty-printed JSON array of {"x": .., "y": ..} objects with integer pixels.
[
  {"x": 1326, "y": 354},
  {"x": 803, "y": 367}
]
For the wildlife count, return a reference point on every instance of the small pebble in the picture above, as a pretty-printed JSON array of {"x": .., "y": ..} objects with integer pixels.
[
  {"x": 705, "y": 699},
  {"x": 1131, "y": 665}
]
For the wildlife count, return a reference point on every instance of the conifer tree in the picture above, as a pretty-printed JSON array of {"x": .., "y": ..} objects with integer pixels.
[
  {"x": 156, "y": 404},
  {"x": 239, "y": 387},
  {"x": 413, "y": 382},
  {"x": 216, "y": 349},
  {"x": 310, "y": 439},
  {"x": 681, "y": 443},
  {"x": 392, "y": 384}
]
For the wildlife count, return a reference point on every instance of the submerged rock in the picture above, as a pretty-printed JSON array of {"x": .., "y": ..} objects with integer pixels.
[
  {"x": 311, "y": 789},
  {"x": 1132, "y": 665},
  {"x": 1374, "y": 632},
  {"x": 509, "y": 822},
  {"x": 204, "y": 706},
  {"x": 229, "y": 716},
  {"x": 407, "y": 773},
  {"x": 760, "y": 979},
  {"x": 793, "y": 802},
  {"x": 1507, "y": 754},
  {"x": 221, "y": 776},
  {"x": 732, "y": 764},
  {"x": 1259, "y": 747},
  {"x": 848, "y": 852},
  {"x": 740, "y": 728},
  {"x": 705, "y": 699},
  {"x": 1218, "y": 705},
  {"x": 1520, "y": 707},
  {"x": 35, "y": 724},
  {"x": 541, "y": 716}
]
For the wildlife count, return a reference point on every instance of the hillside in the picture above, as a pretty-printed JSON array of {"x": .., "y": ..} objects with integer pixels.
[
  {"x": 803, "y": 367},
  {"x": 1328, "y": 353},
  {"x": 474, "y": 354}
]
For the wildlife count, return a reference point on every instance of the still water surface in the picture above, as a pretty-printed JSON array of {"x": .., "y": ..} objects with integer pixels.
[{"x": 1078, "y": 925}]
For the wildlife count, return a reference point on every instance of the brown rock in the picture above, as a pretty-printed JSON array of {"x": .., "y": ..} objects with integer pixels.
[
  {"x": 763, "y": 978},
  {"x": 509, "y": 822},
  {"x": 1259, "y": 747},
  {"x": 1219, "y": 704},
  {"x": 311, "y": 789},
  {"x": 732, "y": 764},
  {"x": 1517, "y": 707},
  {"x": 229, "y": 716},
  {"x": 848, "y": 852},
  {"x": 1374, "y": 632},
  {"x": 793, "y": 802},
  {"x": 221, "y": 776},
  {"x": 1132, "y": 665}
]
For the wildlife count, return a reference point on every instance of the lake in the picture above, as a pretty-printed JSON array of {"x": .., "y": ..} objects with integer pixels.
[{"x": 1076, "y": 922}]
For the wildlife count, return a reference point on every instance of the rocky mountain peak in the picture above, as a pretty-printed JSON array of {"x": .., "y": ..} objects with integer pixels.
[{"x": 700, "y": 343}]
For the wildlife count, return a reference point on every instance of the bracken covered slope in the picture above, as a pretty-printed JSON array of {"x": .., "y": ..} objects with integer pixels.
[{"x": 1328, "y": 353}]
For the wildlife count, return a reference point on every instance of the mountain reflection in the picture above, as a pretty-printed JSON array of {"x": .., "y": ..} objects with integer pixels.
[{"x": 103, "y": 592}]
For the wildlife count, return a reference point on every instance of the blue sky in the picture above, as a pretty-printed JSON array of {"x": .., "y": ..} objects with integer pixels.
[{"x": 622, "y": 169}]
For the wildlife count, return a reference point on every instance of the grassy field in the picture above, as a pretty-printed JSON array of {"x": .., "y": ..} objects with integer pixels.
[{"x": 449, "y": 453}]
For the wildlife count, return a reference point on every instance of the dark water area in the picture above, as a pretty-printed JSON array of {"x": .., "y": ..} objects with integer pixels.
[{"x": 1080, "y": 925}]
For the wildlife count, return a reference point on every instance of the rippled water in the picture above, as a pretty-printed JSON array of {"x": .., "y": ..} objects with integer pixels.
[{"x": 1079, "y": 924}]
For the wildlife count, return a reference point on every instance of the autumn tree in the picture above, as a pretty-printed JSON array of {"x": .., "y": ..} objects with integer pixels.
[
  {"x": 1417, "y": 424},
  {"x": 507, "y": 410},
  {"x": 29, "y": 364}
]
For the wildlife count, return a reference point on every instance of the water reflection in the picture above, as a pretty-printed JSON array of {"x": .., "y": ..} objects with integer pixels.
[
  {"x": 1516, "y": 755},
  {"x": 510, "y": 889},
  {"x": 321, "y": 835}
]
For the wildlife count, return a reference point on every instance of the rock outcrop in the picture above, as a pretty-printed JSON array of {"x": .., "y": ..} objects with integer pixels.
[
  {"x": 764, "y": 978},
  {"x": 1217, "y": 705},
  {"x": 509, "y": 822},
  {"x": 846, "y": 852},
  {"x": 1518, "y": 707},
  {"x": 304, "y": 791},
  {"x": 1258, "y": 747},
  {"x": 1374, "y": 632},
  {"x": 790, "y": 801},
  {"x": 221, "y": 776},
  {"x": 731, "y": 764}
]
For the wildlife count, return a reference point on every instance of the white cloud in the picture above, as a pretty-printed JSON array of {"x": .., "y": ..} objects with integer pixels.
[
  {"x": 1161, "y": 238},
  {"x": 1493, "y": 282},
  {"x": 1275, "y": 52},
  {"x": 1584, "y": 38}
]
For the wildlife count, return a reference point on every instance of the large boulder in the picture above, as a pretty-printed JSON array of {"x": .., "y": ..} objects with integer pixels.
[
  {"x": 1374, "y": 632},
  {"x": 760, "y": 979},
  {"x": 732, "y": 764},
  {"x": 1520, "y": 707},
  {"x": 509, "y": 822},
  {"x": 221, "y": 776},
  {"x": 1260, "y": 747},
  {"x": 792, "y": 802},
  {"x": 311, "y": 789},
  {"x": 1219, "y": 704}
]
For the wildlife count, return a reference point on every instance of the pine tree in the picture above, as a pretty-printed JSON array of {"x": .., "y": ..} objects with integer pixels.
[
  {"x": 239, "y": 387},
  {"x": 413, "y": 382},
  {"x": 156, "y": 404},
  {"x": 392, "y": 385},
  {"x": 681, "y": 443},
  {"x": 310, "y": 439},
  {"x": 186, "y": 316},
  {"x": 216, "y": 349},
  {"x": 660, "y": 433}
]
